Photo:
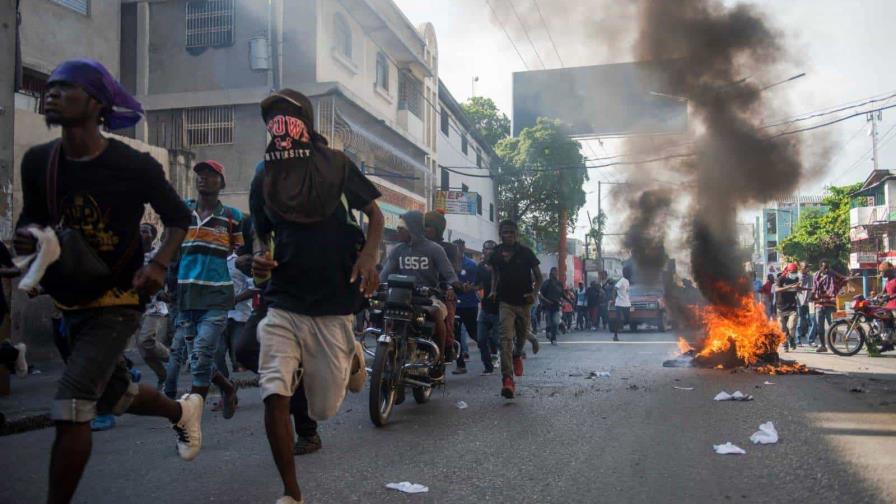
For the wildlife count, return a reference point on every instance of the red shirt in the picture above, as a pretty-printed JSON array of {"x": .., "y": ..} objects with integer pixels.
[{"x": 890, "y": 289}]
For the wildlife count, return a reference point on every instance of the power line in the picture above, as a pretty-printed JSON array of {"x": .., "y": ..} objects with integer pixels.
[
  {"x": 498, "y": 19},
  {"x": 835, "y": 121},
  {"x": 548, "y": 32},
  {"x": 865, "y": 154},
  {"x": 526, "y": 32},
  {"x": 825, "y": 112}
]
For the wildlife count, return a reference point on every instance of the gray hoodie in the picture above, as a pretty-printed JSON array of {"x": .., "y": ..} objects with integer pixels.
[{"x": 421, "y": 258}]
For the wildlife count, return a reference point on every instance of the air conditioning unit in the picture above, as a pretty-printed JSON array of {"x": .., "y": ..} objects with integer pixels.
[{"x": 259, "y": 54}]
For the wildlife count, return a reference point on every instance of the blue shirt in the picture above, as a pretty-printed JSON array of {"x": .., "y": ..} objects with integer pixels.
[{"x": 468, "y": 275}]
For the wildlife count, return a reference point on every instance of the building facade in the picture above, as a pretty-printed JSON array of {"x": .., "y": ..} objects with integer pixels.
[
  {"x": 775, "y": 222},
  {"x": 201, "y": 68},
  {"x": 467, "y": 165},
  {"x": 872, "y": 222}
]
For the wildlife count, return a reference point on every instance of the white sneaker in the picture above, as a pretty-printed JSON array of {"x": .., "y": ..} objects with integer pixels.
[
  {"x": 289, "y": 500},
  {"x": 189, "y": 428},
  {"x": 21, "y": 363}
]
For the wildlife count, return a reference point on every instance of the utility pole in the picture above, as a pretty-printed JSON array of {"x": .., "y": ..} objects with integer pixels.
[
  {"x": 8, "y": 22},
  {"x": 600, "y": 253},
  {"x": 874, "y": 117},
  {"x": 564, "y": 217}
]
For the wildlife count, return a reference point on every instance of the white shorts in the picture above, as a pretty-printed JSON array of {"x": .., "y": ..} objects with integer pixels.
[{"x": 318, "y": 350}]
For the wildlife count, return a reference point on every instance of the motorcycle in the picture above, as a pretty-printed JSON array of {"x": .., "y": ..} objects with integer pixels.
[
  {"x": 846, "y": 337},
  {"x": 405, "y": 352}
]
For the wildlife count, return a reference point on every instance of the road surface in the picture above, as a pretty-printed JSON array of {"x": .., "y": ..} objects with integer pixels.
[{"x": 566, "y": 438}]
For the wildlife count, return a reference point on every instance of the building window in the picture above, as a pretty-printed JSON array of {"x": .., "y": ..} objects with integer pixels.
[
  {"x": 771, "y": 223},
  {"x": 79, "y": 6},
  {"x": 208, "y": 125},
  {"x": 342, "y": 36},
  {"x": 33, "y": 91},
  {"x": 479, "y": 204},
  {"x": 209, "y": 23},
  {"x": 478, "y": 159},
  {"x": 382, "y": 71},
  {"x": 446, "y": 180},
  {"x": 491, "y": 212},
  {"x": 446, "y": 123},
  {"x": 410, "y": 94},
  {"x": 463, "y": 144}
]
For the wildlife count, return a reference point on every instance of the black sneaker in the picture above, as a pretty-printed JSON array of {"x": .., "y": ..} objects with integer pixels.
[
  {"x": 460, "y": 370},
  {"x": 822, "y": 349},
  {"x": 306, "y": 445}
]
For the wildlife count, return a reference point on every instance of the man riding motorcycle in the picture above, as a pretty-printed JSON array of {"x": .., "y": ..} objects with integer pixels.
[{"x": 428, "y": 263}]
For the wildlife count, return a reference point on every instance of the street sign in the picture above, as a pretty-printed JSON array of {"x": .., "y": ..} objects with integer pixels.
[
  {"x": 858, "y": 233},
  {"x": 457, "y": 202}
]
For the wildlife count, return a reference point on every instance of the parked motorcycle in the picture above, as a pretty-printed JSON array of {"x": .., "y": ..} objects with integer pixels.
[
  {"x": 871, "y": 324},
  {"x": 405, "y": 352}
]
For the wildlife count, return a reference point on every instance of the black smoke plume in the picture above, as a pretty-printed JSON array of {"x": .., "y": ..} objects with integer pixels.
[{"x": 646, "y": 233}]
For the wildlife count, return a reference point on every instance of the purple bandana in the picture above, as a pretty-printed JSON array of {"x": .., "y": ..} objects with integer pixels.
[{"x": 121, "y": 109}]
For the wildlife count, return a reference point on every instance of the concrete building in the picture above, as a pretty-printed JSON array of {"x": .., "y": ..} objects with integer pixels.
[
  {"x": 200, "y": 68},
  {"x": 466, "y": 165},
  {"x": 776, "y": 222},
  {"x": 872, "y": 222}
]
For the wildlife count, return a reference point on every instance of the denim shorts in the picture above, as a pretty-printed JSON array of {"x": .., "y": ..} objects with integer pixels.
[{"x": 96, "y": 378}]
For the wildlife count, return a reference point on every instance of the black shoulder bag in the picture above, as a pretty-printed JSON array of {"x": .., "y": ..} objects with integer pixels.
[{"x": 79, "y": 276}]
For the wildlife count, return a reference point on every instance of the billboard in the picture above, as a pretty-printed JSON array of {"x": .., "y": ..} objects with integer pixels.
[
  {"x": 601, "y": 100},
  {"x": 457, "y": 202}
]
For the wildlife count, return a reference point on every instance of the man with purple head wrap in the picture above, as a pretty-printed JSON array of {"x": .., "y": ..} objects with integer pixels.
[{"x": 93, "y": 186}]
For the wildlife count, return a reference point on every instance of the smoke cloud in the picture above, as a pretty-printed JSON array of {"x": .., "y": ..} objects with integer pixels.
[{"x": 646, "y": 233}]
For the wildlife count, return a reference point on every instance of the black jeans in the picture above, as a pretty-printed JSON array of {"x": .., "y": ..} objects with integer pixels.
[{"x": 246, "y": 350}]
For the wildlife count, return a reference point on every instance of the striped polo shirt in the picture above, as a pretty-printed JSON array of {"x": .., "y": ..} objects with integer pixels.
[{"x": 203, "y": 280}]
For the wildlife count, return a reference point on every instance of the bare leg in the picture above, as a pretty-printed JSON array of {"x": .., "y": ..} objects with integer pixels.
[
  {"x": 68, "y": 458},
  {"x": 281, "y": 438},
  {"x": 151, "y": 402}
]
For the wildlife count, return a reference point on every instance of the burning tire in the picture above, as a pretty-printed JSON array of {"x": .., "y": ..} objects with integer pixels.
[{"x": 846, "y": 338}]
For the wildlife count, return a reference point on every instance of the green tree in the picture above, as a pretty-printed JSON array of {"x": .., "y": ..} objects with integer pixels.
[
  {"x": 491, "y": 123},
  {"x": 823, "y": 235},
  {"x": 541, "y": 172}
]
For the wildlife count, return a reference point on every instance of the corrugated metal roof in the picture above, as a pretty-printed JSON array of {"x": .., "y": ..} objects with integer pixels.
[{"x": 804, "y": 199}]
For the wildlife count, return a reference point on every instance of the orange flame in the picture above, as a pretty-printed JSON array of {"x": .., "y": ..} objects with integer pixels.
[
  {"x": 683, "y": 345},
  {"x": 746, "y": 326}
]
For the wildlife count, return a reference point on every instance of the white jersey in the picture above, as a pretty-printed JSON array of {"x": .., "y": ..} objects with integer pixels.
[{"x": 622, "y": 290}]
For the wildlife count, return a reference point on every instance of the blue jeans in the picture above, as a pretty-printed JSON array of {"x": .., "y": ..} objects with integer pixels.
[
  {"x": 552, "y": 323},
  {"x": 823, "y": 314},
  {"x": 489, "y": 337},
  {"x": 197, "y": 336},
  {"x": 805, "y": 328}
]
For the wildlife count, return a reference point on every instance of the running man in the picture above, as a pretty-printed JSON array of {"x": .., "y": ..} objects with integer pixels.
[{"x": 515, "y": 282}]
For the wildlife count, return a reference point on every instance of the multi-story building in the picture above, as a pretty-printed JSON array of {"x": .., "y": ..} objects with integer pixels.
[
  {"x": 872, "y": 222},
  {"x": 467, "y": 165},
  {"x": 776, "y": 222},
  {"x": 201, "y": 67}
]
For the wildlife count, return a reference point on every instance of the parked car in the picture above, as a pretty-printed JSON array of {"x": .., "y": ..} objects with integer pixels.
[{"x": 648, "y": 308}]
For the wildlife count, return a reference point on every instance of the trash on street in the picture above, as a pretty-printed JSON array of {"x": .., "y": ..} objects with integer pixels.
[
  {"x": 736, "y": 396},
  {"x": 767, "y": 434},
  {"x": 408, "y": 487},
  {"x": 728, "y": 449}
]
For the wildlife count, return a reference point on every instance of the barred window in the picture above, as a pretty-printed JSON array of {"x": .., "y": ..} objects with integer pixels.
[
  {"x": 410, "y": 94},
  {"x": 208, "y": 125},
  {"x": 209, "y": 23},
  {"x": 79, "y": 6}
]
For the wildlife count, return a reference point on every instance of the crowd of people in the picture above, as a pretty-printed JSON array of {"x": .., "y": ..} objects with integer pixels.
[
  {"x": 217, "y": 285},
  {"x": 803, "y": 302}
]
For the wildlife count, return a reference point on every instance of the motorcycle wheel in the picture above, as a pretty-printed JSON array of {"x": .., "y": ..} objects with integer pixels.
[
  {"x": 844, "y": 342},
  {"x": 422, "y": 394},
  {"x": 382, "y": 390}
]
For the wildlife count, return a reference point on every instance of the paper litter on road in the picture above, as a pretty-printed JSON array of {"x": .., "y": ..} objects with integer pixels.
[
  {"x": 683, "y": 388},
  {"x": 597, "y": 374},
  {"x": 408, "y": 487},
  {"x": 737, "y": 396},
  {"x": 768, "y": 383},
  {"x": 728, "y": 449},
  {"x": 461, "y": 405},
  {"x": 765, "y": 435}
]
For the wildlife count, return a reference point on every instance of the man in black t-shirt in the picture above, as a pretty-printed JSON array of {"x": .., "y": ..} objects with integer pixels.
[
  {"x": 786, "y": 288},
  {"x": 101, "y": 187},
  {"x": 551, "y": 296},
  {"x": 487, "y": 321},
  {"x": 319, "y": 265},
  {"x": 515, "y": 281}
]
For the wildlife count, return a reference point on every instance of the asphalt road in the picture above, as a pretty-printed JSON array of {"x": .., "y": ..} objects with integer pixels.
[{"x": 566, "y": 438}]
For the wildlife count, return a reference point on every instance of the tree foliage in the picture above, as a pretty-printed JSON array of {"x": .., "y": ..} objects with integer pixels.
[
  {"x": 823, "y": 235},
  {"x": 492, "y": 124},
  {"x": 541, "y": 171}
]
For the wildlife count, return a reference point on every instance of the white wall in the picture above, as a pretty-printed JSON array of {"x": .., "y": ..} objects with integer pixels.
[{"x": 474, "y": 229}]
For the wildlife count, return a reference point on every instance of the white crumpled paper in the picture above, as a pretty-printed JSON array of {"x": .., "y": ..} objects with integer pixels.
[
  {"x": 461, "y": 405},
  {"x": 737, "y": 396},
  {"x": 765, "y": 435},
  {"x": 408, "y": 487},
  {"x": 683, "y": 388},
  {"x": 728, "y": 449}
]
